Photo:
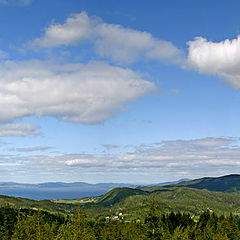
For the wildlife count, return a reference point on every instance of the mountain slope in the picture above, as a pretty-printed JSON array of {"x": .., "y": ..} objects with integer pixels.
[
  {"x": 46, "y": 205},
  {"x": 118, "y": 195},
  {"x": 135, "y": 202},
  {"x": 228, "y": 183},
  {"x": 187, "y": 196}
]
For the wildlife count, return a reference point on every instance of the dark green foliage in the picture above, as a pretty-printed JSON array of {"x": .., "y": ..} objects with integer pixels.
[
  {"x": 188, "y": 200},
  {"x": 77, "y": 227},
  {"x": 135, "y": 202},
  {"x": 125, "y": 213},
  {"x": 16, "y": 224},
  {"x": 26, "y": 223},
  {"x": 8, "y": 219}
]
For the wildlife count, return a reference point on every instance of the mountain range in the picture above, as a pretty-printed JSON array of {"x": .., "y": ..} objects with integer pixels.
[
  {"x": 228, "y": 183},
  {"x": 219, "y": 194},
  {"x": 62, "y": 190}
]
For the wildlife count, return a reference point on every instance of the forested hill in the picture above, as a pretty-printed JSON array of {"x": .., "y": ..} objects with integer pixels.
[
  {"x": 118, "y": 195},
  {"x": 228, "y": 183},
  {"x": 135, "y": 203},
  {"x": 221, "y": 197},
  {"x": 46, "y": 205}
]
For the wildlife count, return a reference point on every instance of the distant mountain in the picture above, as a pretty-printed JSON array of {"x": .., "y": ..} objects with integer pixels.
[
  {"x": 75, "y": 190},
  {"x": 57, "y": 190},
  {"x": 62, "y": 190},
  {"x": 135, "y": 202},
  {"x": 228, "y": 183},
  {"x": 63, "y": 184},
  {"x": 170, "y": 183}
]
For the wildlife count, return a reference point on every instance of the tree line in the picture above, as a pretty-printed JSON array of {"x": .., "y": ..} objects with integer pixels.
[{"x": 40, "y": 225}]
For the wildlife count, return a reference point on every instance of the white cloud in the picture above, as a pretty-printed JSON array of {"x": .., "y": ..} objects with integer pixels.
[
  {"x": 122, "y": 45},
  {"x": 33, "y": 149},
  {"x": 161, "y": 161},
  {"x": 77, "y": 27},
  {"x": 218, "y": 58},
  {"x": 88, "y": 93},
  {"x": 18, "y": 130},
  {"x": 197, "y": 155}
]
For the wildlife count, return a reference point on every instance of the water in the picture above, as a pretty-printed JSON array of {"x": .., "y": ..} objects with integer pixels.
[{"x": 52, "y": 193}]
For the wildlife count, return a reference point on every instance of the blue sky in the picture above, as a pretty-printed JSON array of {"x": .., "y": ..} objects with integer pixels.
[{"x": 119, "y": 91}]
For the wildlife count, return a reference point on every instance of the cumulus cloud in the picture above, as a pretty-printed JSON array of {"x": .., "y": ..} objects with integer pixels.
[
  {"x": 18, "y": 130},
  {"x": 122, "y": 45},
  {"x": 88, "y": 93},
  {"x": 218, "y": 58}
]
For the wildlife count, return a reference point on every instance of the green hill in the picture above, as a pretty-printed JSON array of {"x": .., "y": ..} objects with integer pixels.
[
  {"x": 217, "y": 194},
  {"x": 118, "y": 195},
  {"x": 229, "y": 183},
  {"x": 46, "y": 205},
  {"x": 135, "y": 202}
]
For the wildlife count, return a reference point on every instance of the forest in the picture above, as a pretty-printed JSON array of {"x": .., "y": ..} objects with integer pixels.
[{"x": 18, "y": 223}]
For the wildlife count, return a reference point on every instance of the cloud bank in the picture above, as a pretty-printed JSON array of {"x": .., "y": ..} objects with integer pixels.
[
  {"x": 179, "y": 158},
  {"x": 89, "y": 93},
  {"x": 111, "y": 41},
  {"x": 216, "y": 58},
  {"x": 178, "y": 154}
]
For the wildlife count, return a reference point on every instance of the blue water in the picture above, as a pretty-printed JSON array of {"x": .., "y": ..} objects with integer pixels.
[{"x": 52, "y": 193}]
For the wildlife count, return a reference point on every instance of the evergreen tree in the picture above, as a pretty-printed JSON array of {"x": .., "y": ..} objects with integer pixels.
[{"x": 154, "y": 225}]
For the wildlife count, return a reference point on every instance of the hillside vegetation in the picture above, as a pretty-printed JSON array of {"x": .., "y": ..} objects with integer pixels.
[
  {"x": 27, "y": 224},
  {"x": 134, "y": 202},
  {"x": 229, "y": 183},
  {"x": 46, "y": 205},
  {"x": 167, "y": 212}
]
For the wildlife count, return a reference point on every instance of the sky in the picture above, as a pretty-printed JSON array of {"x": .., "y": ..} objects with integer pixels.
[{"x": 119, "y": 91}]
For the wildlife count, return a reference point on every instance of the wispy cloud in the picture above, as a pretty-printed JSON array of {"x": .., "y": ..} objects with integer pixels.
[
  {"x": 194, "y": 157},
  {"x": 110, "y": 146},
  {"x": 111, "y": 41},
  {"x": 179, "y": 158},
  {"x": 3, "y": 54},
  {"x": 18, "y": 130},
  {"x": 33, "y": 149}
]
